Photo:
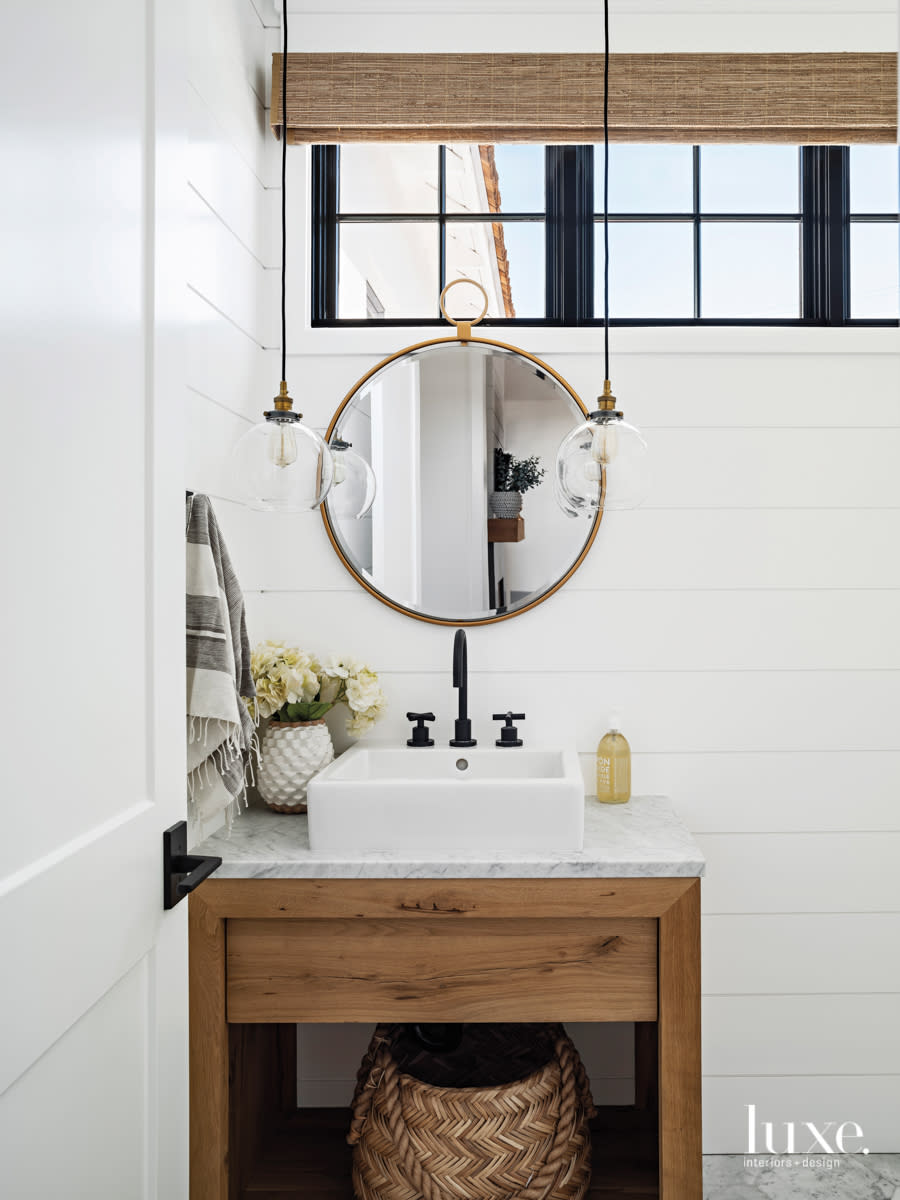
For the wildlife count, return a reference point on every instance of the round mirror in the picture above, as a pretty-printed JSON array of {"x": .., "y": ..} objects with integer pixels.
[{"x": 465, "y": 526}]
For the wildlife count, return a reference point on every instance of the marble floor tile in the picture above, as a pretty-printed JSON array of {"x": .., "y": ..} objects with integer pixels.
[{"x": 838, "y": 1177}]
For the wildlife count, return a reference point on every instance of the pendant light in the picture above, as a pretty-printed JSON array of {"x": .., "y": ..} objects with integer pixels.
[
  {"x": 281, "y": 464},
  {"x": 603, "y": 462}
]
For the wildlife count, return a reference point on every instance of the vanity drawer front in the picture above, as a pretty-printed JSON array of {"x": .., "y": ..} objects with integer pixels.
[{"x": 444, "y": 969}]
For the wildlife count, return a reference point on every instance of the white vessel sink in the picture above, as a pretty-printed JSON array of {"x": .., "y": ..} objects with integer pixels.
[{"x": 443, "y": 801}]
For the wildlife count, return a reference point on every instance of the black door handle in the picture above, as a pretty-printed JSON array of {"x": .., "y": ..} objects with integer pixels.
[{"x": 182, "y": 872}]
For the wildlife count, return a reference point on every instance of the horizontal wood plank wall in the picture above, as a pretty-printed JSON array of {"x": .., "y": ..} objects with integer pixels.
[
  {"x": 757, "y": 664},
  {"x": 231, "y": 249},
  {"x": 462, "y": 26},
  {"x": 781, "y": 747}
]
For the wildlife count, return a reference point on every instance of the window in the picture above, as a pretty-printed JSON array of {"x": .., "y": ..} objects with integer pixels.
[
  {"x": 874, "y": 248},
  {"x": 704, "y": 234},
  {"x": 409, "y": 218}
]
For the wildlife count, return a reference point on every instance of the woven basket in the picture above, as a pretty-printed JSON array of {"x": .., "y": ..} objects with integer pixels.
[{"x": 503, "y": 1117}]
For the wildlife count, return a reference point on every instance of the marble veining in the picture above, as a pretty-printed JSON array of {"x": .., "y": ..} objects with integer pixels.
[
  {"x": 835, "y": 1177},
  {"x": 642, "y": 838}
]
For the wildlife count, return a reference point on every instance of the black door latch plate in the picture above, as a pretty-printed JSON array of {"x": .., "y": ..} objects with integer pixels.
[{"x": 182, "y": 872}]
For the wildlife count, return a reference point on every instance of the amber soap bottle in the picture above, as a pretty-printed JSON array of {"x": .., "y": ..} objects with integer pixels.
[{"x": 613, "y": 766}]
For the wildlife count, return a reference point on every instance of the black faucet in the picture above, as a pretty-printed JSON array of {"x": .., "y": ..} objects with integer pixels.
[{"x": 462, "y": 726}]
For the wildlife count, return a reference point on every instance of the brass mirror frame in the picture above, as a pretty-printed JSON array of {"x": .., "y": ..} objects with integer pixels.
[{"x": 332, "y": 534}]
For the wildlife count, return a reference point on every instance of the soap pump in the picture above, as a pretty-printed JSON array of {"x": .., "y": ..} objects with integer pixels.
[{"x": 614, "y": 766}]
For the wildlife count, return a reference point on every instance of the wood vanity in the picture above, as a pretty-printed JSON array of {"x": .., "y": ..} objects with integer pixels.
[{"x": 609, "y": 934}]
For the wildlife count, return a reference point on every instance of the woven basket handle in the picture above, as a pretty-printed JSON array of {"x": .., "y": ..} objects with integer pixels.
[
  {"x": 567, "y": 1050},
  {"x": 574, "y": 1098},
  {"x": 379, "y": 1070},
  {"x": 368, "y": 1077}
]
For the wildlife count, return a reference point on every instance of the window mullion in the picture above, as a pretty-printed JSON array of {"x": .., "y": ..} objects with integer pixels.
[
  {"x": 325, "y": 166},
  {"x": 570, "y": 234},
  {"x": 582, "y": 211},
  {"x": 698, "y": 248},
  {"x": 839, "y": 231},
  {"x": 554, "y": 304},
  {"x": 825, "y": 267}
]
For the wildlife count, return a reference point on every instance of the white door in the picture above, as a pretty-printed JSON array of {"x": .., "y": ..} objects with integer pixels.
[{"x": 93, "y": 1001}]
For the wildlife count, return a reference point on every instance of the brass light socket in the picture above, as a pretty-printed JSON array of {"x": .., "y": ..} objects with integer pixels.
[
  {"x": 283, "y": 402},
  {"x": 606, "y": 402}
]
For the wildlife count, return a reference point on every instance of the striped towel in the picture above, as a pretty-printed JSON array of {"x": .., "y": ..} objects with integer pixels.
[{"x": 220, "y": 731}]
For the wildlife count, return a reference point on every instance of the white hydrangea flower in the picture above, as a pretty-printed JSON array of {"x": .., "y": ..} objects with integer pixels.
[
  {"x": 362, "y": 722},
  {"x": 334, "y": 667},
  {"x": 363, "y": 691},
  {"x": 287, "y": 675}
]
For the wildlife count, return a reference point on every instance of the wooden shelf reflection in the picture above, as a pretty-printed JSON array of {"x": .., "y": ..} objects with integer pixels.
[{"x": 506, "y": 529}]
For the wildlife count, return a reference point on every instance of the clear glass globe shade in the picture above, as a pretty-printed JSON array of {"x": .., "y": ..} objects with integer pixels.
[
  {"x": 602, "y": 465},
  {"x": 353, "y": 493},
  {"x": 283, "y": 466}
]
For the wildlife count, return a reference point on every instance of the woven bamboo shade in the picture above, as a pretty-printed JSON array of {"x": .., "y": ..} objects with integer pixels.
[{"x": 555, "y": 98}]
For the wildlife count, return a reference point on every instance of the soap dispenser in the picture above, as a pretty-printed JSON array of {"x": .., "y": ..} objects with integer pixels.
[{"x": 613, "y": 766}]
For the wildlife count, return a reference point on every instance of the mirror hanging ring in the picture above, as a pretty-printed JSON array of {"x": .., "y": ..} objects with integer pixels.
[
  {"x": 464, "y": 328},
  {"x": 440, "y": 421}
]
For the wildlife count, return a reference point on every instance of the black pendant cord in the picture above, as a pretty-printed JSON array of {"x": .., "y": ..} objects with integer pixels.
[
  {"x": 606, "y": 188},
  {"x": 284, "y": 135}
]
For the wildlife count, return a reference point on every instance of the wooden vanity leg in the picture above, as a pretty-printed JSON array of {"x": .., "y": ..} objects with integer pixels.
[
  {"x": 208, "y": 1054},
  {"x": 680, "y": 1133}
]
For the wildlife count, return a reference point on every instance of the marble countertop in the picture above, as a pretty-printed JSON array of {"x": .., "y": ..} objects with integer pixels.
[{"x": 642, "y": 838}]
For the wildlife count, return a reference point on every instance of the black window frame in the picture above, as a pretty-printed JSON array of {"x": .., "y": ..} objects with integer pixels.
[{"x": 824, "y": 220}]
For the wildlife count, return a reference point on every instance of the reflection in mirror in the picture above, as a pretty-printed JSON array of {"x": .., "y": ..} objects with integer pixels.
[
  {"x": 353, "y": 491},
  {"x": 458, "y": 433}
]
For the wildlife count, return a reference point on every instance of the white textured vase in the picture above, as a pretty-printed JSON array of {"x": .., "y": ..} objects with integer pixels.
[
  {"x": 292, "y": 752},
  {"x": 506, "y": 504}
]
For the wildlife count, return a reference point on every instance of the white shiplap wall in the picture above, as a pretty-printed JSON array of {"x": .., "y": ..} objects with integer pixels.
[
  {"x": 754, "y": 648},
  {"x": 233, "y": 252},
  {"x": 233, "y": 191}
]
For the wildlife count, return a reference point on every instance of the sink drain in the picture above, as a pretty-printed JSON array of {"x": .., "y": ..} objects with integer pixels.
[{"x": 462, "y": 764}]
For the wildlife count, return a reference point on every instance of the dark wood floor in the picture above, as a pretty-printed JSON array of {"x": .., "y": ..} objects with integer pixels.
[{"x": 306, "y": 1157}]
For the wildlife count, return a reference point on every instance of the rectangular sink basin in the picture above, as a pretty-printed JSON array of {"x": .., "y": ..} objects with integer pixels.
[{"x": 444, "y": 801}]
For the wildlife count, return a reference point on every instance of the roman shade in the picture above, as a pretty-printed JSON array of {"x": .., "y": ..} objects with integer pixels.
[{"x": 812, "y": 99}]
